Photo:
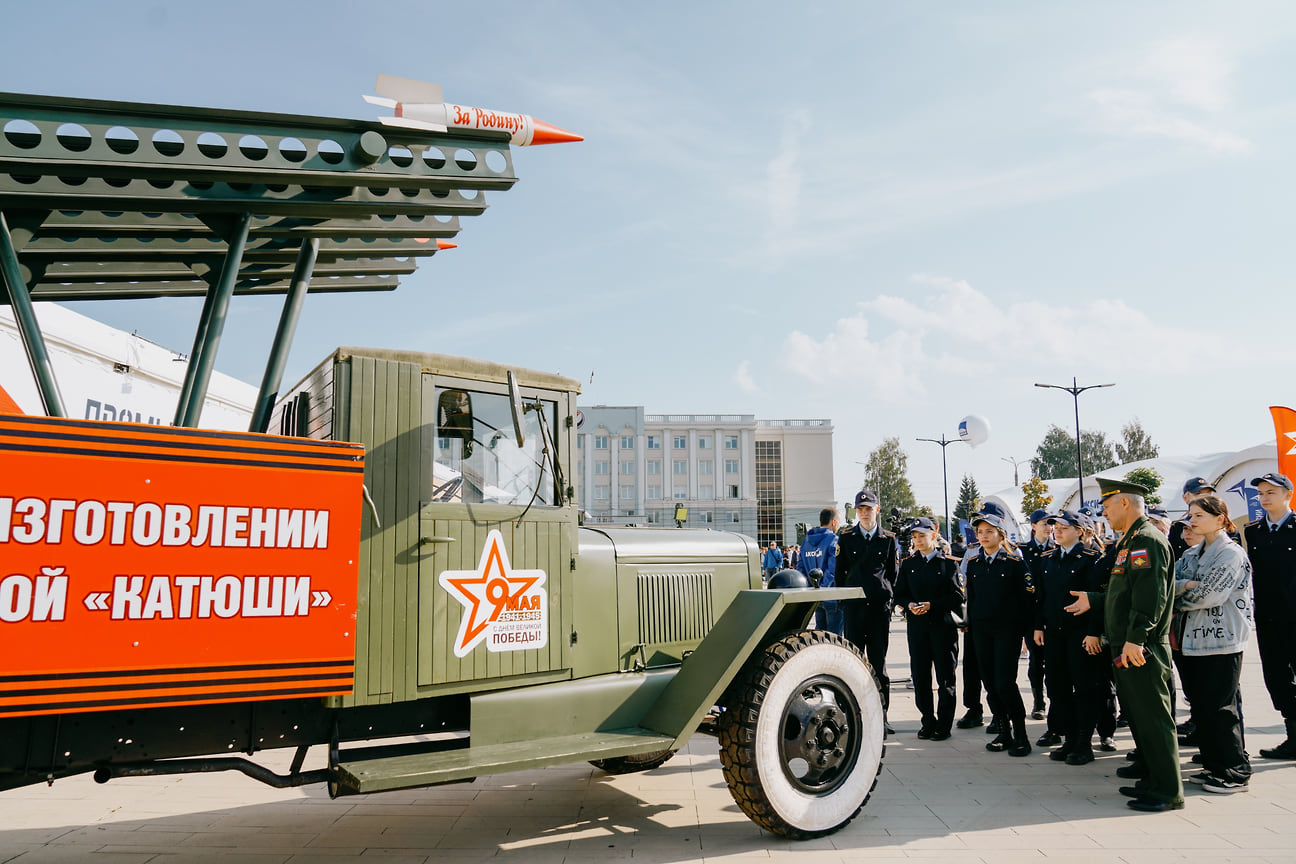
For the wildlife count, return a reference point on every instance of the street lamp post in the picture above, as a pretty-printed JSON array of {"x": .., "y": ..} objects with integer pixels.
[
  {"x": 1015, "y": 463},
  {"x": 944, "y": 442},
  {"x": 1075, "y": 392}
]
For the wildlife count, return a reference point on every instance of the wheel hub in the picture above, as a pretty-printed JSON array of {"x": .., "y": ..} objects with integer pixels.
[{"x": 819, "y": 744}]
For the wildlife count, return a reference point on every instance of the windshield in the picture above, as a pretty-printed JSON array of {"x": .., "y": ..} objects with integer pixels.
[{"x": 477, "y": 459}]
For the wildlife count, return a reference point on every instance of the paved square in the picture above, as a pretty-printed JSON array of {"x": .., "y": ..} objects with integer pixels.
[{"x": 948, "y": 800}]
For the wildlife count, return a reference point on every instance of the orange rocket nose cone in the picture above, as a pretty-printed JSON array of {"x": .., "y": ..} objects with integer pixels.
[
  {"x": 446, "y": 244},
  {"x": 546, "y": 133}
]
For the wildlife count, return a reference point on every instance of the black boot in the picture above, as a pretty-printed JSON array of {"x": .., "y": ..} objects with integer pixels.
[
  {"x": 1285, "y": 750},
  {"x": 1037, "y": 711},
  {"x": 992, "y": 728},
  {"x": 1003, "y": 739},
  {"x": 1021, "y": 745}
]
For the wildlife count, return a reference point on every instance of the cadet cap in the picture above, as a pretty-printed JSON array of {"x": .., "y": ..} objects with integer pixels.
[
  {"x": 866, "y": 498},
  {"x": 1158, "y": 513},
  {"x": 924, "y": 523},
  {"x": 1274, "y": 479},
  {"x": 1109, "y": 487},
  {"x": 1039, "y": 516},
  {"x": 1197, "y": 485},
  {"x": 1067, "y": 517},
  {"x": 992, "y": 508},
  {"x": 989, "y": 518}
]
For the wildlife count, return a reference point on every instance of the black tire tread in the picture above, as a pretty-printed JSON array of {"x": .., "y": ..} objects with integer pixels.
[
  {"x": 633, "y": 764},
  {"x": 737, "y": 733}
]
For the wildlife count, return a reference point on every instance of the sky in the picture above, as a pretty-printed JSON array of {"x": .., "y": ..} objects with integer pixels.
[{"x": 888, "y": 215}]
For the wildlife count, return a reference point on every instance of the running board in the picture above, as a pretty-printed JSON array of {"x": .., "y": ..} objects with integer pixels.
[{"x": 405, "y": 772}]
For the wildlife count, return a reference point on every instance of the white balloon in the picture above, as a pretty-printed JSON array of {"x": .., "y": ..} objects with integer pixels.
[{"x": 974, "y": 429}]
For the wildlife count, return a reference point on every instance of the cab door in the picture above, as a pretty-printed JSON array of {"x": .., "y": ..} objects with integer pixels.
[{"x": 496, "y": 545}]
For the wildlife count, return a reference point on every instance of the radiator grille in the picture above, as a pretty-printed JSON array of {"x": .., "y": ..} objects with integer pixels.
[{"x": 674, "y": 607}]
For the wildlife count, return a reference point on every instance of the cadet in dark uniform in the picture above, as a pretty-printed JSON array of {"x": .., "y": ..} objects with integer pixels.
[
  {"x": 1271, "y": 546},
  {"x": 974, "y": 716},
  {"x": 1193, "y": 488},
  {"x": 1136, "y": 621},
  {"x": 1040, "y": 542},
  {"x": 1000, "y": 614},
  {"x": 1074, "y": 662},
  {"x": 867, "y": 558},
  {"x": 929, "y": 591}
]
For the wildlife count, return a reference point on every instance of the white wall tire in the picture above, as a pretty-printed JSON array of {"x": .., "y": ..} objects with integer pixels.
[{"x": 801, "y": 741}]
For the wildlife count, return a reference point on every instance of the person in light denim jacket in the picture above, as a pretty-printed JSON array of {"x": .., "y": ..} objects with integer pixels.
[{"x": 1213, "y": 591}]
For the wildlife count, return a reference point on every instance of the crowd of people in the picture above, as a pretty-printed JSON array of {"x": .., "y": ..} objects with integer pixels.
[{"x": 1105, "y": 620}]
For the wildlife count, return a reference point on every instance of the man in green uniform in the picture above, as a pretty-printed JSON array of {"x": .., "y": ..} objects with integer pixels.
[{"x": 1136, "y": 616}]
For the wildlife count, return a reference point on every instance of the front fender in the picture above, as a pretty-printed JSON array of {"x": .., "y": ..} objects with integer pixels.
[{"x": 754, "y": 619}]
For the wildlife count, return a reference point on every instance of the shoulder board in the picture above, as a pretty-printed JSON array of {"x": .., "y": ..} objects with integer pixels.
[
  {"x": 952, "y": 558},
  {"x": 1090, "y": 553},
  {"x": 1255, "y": 522},
  {"x": 885, "y": 533},
  {"x": 1047, "y": 552},
  {"x": 1012, "y": 554}
]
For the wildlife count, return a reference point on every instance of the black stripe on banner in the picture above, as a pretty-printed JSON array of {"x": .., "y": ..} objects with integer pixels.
[
  {"x": 160, "y": 701},
  {"x": 177, "y": 683},
  {"x": 99, "y": 425},
  {"x": 353, "y": 468},
  {"x": 176, "y": 670},
  {"x": 136, "y": 441}
]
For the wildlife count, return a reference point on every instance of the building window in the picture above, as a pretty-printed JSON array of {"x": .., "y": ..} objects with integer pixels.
[
  {"x": 707, "y": 492},
  {"x": 731, "y": 466},
  {"x": 654, "y": 493},
  {"x": 704, "y": 466},
  {"x": 580, "y": 467},
  {"x": 769, "y": 492},
  {"x": 735, "y": 517},
  {"x": 654, "y": 466},
  {"x": 681, "y": 492},
  {"x": 654, "y": 442},
  {"x": 580, "y": 442},
  {"x": 681, "y": 442},
  {"x": 600, "y": 493},
  {"x": 701, "y": 516},
  {"x": 680, "y": 466},
  {"x": 600, "y": 442},
  {"x": 733, "y": 490},
  {"x": 731, "y": 442},
  {"x": 627, "y": 492},
  {"x": 601, "y": 467},
  {"x": 627, "y": 466},
  {"x": 704, "y": 442},
  {"x": 627, "y": 442}
]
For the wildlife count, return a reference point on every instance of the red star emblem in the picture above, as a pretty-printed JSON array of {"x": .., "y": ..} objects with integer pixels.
[{"x": 486, "y": 591}]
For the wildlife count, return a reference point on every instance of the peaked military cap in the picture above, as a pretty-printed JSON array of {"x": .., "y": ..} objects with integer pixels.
[
  {"x": 1279, "y": 480},
  {"x": 1067, "y": 517},
  {"x": 1109, "y": 487}
]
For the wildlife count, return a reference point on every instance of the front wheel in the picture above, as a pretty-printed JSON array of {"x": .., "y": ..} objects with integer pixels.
[{"x": 801, "y": 743}]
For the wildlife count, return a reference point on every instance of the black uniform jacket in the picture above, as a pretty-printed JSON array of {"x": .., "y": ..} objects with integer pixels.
[
  {"x": 868, "y": 564},
  {"x": 1056, "y": 576},
  {"x": 1273, "y": 569},
  {"x": 1031, "y": 552},
  {"x": 1000, "y": 593},
  {"x": 935, "y": 582}
]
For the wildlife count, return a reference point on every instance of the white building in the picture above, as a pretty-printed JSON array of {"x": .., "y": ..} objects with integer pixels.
[{"x": 731, "y": 471}]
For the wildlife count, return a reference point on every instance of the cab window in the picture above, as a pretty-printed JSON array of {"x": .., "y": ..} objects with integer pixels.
[{"x": 476, "y": 456}]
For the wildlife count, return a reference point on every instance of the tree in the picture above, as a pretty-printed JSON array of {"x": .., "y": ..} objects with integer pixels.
[
  {"x": 886, "y": 473},
  {"x": 1136, "y": 445},
  {"x": 1056, "y": 454},
  {"x": 1036, "y": 495},
  {"x": 1150, "y": 478},
  {"x": 969, "y": 498}
]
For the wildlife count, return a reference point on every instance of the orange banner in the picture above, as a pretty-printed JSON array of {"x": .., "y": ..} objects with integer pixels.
[
  {"x": 1285, "y": 428},
  {"x": 147, "y": 566}
]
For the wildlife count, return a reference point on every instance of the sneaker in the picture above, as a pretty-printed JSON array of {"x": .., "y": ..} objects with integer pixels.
[
  {"x": 1224, "y": 787},
  {"x": 1037, "y": 713},
  {"x": 992, "y": 728},
  {"x": 1049, "y": 739},
  {"x": 1201, "y": 777},
  {"x": 1061, "y": 753},
  {"x": 1107, "y": 745}
]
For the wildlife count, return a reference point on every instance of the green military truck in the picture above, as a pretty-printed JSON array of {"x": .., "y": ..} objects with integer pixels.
[{"x": 390, "y": 563}]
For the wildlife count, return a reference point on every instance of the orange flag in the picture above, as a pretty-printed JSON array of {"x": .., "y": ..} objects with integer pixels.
[
  {"x": 7, "y": 404},
  {"x": 1285, "y": 428}
]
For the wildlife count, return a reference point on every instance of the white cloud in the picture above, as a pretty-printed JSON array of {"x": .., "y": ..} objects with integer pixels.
[
  {"x": 901, "y": 348},
  {"x": 1181, "y": 90},
  {"x": 743, "y": 378},
  {"x": 783, "y": 177}
]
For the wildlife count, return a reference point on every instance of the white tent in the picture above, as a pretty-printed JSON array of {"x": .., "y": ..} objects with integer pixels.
[{"x": 1230, "y": 473}]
